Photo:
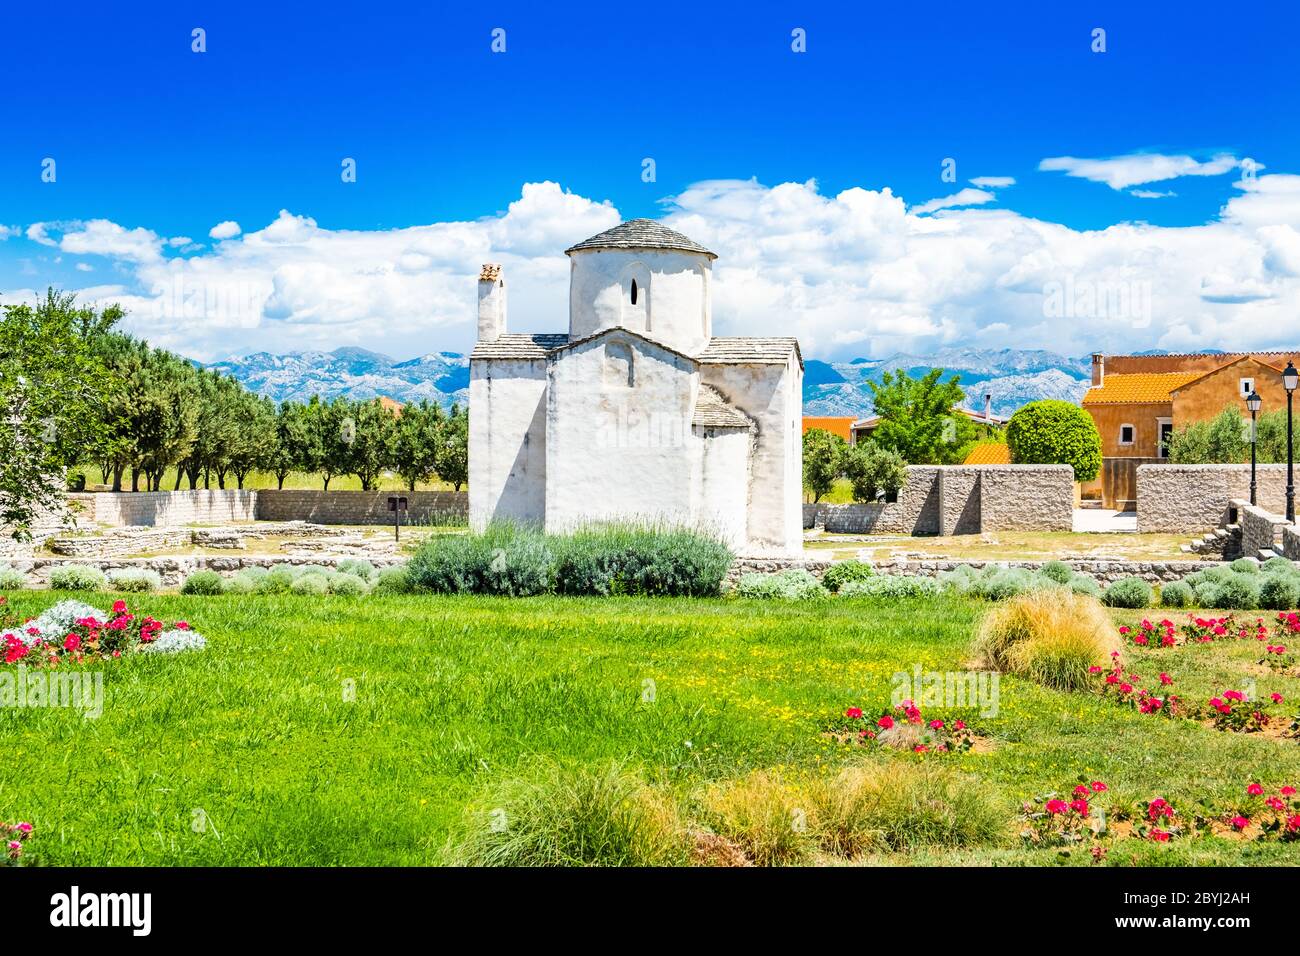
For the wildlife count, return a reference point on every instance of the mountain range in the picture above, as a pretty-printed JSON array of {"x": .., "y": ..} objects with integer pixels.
[{"x": 1011, "y": 376}]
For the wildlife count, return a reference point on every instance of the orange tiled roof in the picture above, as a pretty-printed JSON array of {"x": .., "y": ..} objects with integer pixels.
[
  {"x": 1138, "y": 387},
  {"x": 835, "y": 424},
  {"x": 989, "y": 453},
  {"x": 391, "y": 405}
]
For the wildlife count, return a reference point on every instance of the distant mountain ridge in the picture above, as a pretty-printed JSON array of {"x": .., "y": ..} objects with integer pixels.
[{"x": 1011, "y": 376}]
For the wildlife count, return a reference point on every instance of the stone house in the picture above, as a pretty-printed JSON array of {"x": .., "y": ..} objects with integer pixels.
[
  {"x": 638, "y": 412},
  {"x": 1137, "y": 401}
]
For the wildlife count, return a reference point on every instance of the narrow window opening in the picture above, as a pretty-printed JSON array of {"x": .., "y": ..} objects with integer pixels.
[{"x": 634, "y": 292}]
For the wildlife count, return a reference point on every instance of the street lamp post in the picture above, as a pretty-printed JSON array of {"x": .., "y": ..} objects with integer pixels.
[
  {"x": 1253, "y": 401},
  {"x": 1290, "y": 380}
]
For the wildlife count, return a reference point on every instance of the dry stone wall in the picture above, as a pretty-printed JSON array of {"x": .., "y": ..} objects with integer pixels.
[
  {"x": 961, "y": 499},
  {"x": 362, "y": 507},
  {"x": 1193, "y": 498}
]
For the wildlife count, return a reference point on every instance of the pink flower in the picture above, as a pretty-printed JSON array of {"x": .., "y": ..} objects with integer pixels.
[
  {"x": 1160, "y": 836},
  {"x": 1080, "y": 807},
  {"x": 1239, "y": 822},
  {"x": 1275, "y": 803},
  {"x": 936, "y": 725},
  {"x": 1056, "y": 806},
  {"x": 853, "y": 712},
  {"x": 1254, "y": 790},
  {"x": 1166, "y": 679},
  {"x": 25, "y": 827},
  {"x": 885, "y": 722},
  {"x": 1082, "y": 790},
  {"x": 959, "y": 725},
  {"x": 1098, "y": 787},
  {"x": 1234, "y": 695},
  {"x": 1277, "y": 698},
  {"x": 182, "y": 626},
  {"x": 1287, "y": 791},
  {"x": 119, "y": 607}
]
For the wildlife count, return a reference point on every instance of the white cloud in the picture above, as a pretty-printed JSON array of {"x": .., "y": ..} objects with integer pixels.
[
  {"x": 993, "y": 182},
  {"x": 856, "y": 273},
  {"x": 177, "y": 241},
  {"x": 85, "y": 267},
  {"x": 225, "y": 230},
  {"x": 1120, "y": 172},
  {"x": 1151, "y": 193},
  {"x": 7, "y": 231},
  {"x": 963, "y": 197}
]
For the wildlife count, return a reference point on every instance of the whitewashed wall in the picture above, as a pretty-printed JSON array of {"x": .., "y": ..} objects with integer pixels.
[{"x": 507, "y": 440}]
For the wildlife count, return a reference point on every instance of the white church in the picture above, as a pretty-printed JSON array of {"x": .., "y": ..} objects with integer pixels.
[{"x": 639, "y": 412}]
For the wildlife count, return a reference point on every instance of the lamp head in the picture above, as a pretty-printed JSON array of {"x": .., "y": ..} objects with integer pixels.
[
  {"x": 1290, "y": 377},
  {"x": 1253, "y": 401}
]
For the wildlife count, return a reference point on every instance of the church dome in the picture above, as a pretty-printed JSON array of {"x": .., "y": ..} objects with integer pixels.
[{"x": 641, "y": 234}]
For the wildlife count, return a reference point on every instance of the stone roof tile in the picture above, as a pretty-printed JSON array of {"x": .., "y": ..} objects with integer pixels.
[{"x": 641, "y": 234}]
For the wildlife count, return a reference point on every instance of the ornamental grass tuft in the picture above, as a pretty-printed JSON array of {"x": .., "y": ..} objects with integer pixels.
[{"x": 1050, "y": 637}]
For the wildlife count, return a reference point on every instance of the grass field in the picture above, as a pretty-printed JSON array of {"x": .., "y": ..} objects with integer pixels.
[{"x": 454, "y": 696}]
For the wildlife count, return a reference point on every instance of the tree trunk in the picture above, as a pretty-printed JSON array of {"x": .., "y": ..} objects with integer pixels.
[
  {"x": 117, "y": 478},
  {"x": 135, "y": 478},
  {"x": 279, "y": 482},
  {"x": 179, "y": 475},
  {"x": 327, "y": 482}
]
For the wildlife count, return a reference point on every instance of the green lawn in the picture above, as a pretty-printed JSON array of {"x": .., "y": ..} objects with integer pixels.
[{"x": 455, "y": 695}]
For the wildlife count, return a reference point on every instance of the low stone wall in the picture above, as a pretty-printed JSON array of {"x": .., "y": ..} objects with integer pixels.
[
  {"x": 961, "y": 499},
  {"x": 1103, "y": 572},
  {"x": 362, "y": 507},
  {"x": 1291, "y": 543},
  {"x": 176, "y": 508},
  {"x": 162, "y": 508},
  {"x": 1192, "y": 498},
  {"x": 1260, "y": 529},
  {"x": 121, "y": 542},
  {"x": 174, "y": 571}
]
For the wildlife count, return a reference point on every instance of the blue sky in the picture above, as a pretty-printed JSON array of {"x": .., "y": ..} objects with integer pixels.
[{"x": 150, "y": 136}]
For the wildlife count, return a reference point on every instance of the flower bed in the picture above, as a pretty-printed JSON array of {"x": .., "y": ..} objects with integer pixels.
[
  {"x": 14, "y": 836},
  {"x": 77, "y": 633},
  {"x": 1122, "y": 687},
  {"x": 904, "y": 728}
]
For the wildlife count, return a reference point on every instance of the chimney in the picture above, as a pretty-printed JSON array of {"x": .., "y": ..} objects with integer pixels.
[
  {"x": 1098, "y": 369},
  {"x": 491, "y": 303},
  {"x": 988, "y": 408}
]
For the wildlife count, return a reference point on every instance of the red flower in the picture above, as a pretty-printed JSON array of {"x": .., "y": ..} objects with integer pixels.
[
  {"x": 119, "y": 607},
  {"x": 959, "y": 725},
  {"x": 936, "y": 725},
  {"x": 71, "y": 642},
  {"x": 854, "y": 712},
  {"x": 1254, "y": 789},
  {"x": 885, "y": 722},
  {"x": 1056, "y": 806},
  {"x": 1160, "y": 836},
  {"x": 1239, "y": 822},
  {"x": 1080, "y": 807},
  {"x": 1166, "y": 679},
  {"x": 1098, "y": 787},
  {"x": 1287, "y": 791}
]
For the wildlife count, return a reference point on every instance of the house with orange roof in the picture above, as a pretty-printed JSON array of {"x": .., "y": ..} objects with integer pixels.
[
  {"x": 841, "y": 425},
  {"x": 1137, "y": 401}
]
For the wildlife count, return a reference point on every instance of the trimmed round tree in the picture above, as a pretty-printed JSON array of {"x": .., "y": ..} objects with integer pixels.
[{"x": 1053, "y": 432}]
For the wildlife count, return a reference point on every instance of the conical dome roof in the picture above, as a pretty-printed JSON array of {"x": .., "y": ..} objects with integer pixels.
[{"x": 641, "y": 234}]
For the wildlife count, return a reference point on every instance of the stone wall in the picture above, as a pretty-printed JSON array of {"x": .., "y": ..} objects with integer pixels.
[
  {"x": 1260, "y": 529},
  {"x": 961, "y": 499},
  {"x": 1291, "y": 543},
  {"x": 1192, "y": 498},
  {"x": 174, "y": 570},
  {"x": 162, "y": 508},
  {"x": 177, "y": 508},
  {"x": 1103, "y": 572},
  {"x": 361, "y": 507}
]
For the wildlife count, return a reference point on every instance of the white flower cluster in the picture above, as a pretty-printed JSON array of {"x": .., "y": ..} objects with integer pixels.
[
  {"x": 58, "y": 620},
  {"x": 175, "y": 641}
]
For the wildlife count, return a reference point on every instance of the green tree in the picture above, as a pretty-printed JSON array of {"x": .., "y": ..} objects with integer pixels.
[
  {"x": 1054, "y": 432},
  {"x": 415, "y": 447},
  {"x": 372, "y": 443},
  {"x": 452, "y": 457},
  {"x": 295, "y": 442},
  {"x": 917, "y": 418},
  {"x": 1225, "y": 439},
  {"x": 333, "y": 430},
  {"x": 53, "y": 390},
  {"x": 255, "y": 436},
  {"x": 823, "y": 461},
  {"x": 873, "y": 471}
]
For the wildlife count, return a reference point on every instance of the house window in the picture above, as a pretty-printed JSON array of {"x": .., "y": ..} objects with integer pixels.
[
  {"x": 1247, "y": 386},
  {"x": 634, "y": 292},
  {"x": 1127, "y": 434}
]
